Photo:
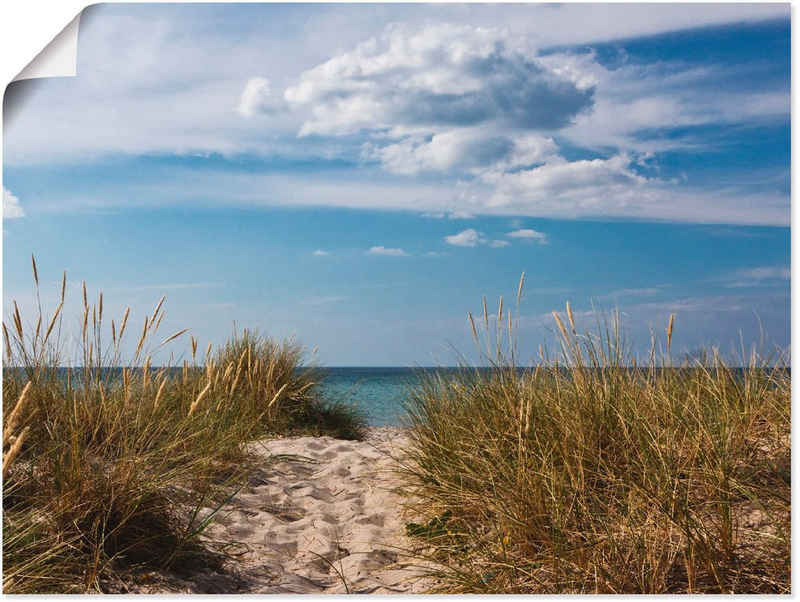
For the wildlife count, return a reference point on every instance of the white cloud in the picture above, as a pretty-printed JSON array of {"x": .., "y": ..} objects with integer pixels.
[
  {"x": 465, "y": 149},
  {"x": 499, "y": 243},
  {"x": 476, "y": 108},
  {"x": 528, "y": 234},
  {"x": 455, "y": 214},
  {"x": 441, "y": 98},
  {"x": 11, "y": 207},
  {"x": 392, "y": 252},
  {"x": 258, "y": 98},
  {"x": 320, "y": 253},
  {"x": 758, "y": 276},
  {"x": 633, "y": 292},
  {"x": 466, "y": 238}
]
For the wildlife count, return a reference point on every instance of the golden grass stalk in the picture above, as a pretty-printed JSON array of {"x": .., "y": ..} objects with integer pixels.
[
  {"x": 158, "y": 308},
  {"x": 560, "y": 325},
  {"x": 8, "y": 458},
  {"x": 472, "y": 324},
  {"x": 35, "y": 271},
  {"x": 173, "y": 337},
  {"x": 7, "y": 342},
  {"x": 160, "y": 392},
  {"x": 16, "y": 413},
  {"x": 277, "y": 395},
  {"x": 124, "y": 322},
  {"x": 52, "y": 324},
  {"x": 571, "y": 318},
  {"x": 669, "y": 330},
  {"x": 17, "y": 321},
  {"x": 199, "y": 398}
]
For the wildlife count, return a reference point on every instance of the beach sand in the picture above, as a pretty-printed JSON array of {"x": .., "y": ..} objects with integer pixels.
[{"x": 322, "y": 516}]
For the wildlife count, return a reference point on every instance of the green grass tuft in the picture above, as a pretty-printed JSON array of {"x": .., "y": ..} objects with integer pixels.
[
  {"x": 110, "y": 468},
  {"x": 582, "y": 475}
]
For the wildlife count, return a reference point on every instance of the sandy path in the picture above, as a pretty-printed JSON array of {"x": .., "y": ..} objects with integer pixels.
[{"x": 326, "y": 517}]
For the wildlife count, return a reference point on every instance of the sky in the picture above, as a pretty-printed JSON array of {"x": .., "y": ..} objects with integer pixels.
[{"x": 359, "y": 176}]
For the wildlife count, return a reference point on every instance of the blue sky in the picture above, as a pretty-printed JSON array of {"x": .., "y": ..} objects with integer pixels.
[{"x": 358, "y": 176}]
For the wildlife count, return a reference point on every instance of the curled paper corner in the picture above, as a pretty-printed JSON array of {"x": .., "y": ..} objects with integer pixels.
[{"x": 59, "y": 58}]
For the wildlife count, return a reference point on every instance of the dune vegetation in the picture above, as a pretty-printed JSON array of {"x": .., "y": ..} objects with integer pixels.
[
  {"x": 589, "y": 474},
  {"x": 115, "y": 466}
]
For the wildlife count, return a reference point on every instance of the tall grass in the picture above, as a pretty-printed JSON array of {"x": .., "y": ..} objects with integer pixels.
[
  {"x": 111, "y": 466},
  {"x": 587, "y": 473}
]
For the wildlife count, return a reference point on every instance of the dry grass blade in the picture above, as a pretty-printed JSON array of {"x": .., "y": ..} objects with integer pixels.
[
  {"x": 199, "y": 398},
  {"x": 173, "y": 337},
  {"x": 571, "y": 318},
  {"x": 669, "y": 330},
  {"x": 277, "y": 395},
  {"x": 160, "y": 392},
  {"x": 52, "y": 324},
  {"x": 158, "y": 308},
  {"x": 8, "y": 458},
  {"x": 472, "y": 324},
  {"x": 124, "y": 322},
  {"x": 17, "y": 321},
  {"x": 7, "y": 342},
  {"x": 10, "y": 423},
  {"x": 35, "y": 271}
]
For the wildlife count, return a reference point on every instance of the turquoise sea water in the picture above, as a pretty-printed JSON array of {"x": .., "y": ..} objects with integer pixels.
[{"x": 378, "y": 392}]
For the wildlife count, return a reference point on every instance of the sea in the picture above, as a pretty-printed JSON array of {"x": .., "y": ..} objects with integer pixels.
[{"x": 379, "y": 393}]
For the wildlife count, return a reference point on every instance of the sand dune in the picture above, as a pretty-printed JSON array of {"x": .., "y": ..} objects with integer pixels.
[{"x": 322, "y": 517}]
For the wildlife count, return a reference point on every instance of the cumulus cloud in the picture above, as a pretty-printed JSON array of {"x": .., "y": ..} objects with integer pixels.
[
  {"x": 11, "y": 207},
  {"x": 478, "y": 111},
  {"x": 257, "y": 98},
  {"x": 435, "y": 76},
  {"x": 467, "y": 238},
  {"x": 466, "y": 149},
  {"x": 577, "y": 187},
  {"x": 320, "y": 253},
  {"x": 528, "y": 234},
  {"x": 391, "y": 252}
]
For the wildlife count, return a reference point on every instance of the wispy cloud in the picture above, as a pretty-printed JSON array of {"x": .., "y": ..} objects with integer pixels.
[
  {"x": 321, "y": 253},
  {"x": 324, "y": 300},
  {"x": 528, "y": 234},
  {"x": 391, "y": 252},
  {"x": 499, "y": 243},
  {"x": 11, "y": 207},
  {"x": 758, "y": 276},
  {"x": 454, "y": 214},
  {"x": 170, "y": 286},
  {"x": 633, "y": 292}
]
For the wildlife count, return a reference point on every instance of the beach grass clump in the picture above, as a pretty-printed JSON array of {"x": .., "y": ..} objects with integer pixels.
[
  {"x": 111, "y": 467},
  {"x": 589, "y": 473},
  {"x": 271, "y": 378}
]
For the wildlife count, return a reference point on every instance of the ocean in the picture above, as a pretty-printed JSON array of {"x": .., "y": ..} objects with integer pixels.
[{"x": 378, "y": 392}]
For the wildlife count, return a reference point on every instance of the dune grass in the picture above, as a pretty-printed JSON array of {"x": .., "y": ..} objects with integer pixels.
[
  {"x": 587, "y": 473},
  {"x": 110, "y": 467}
]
